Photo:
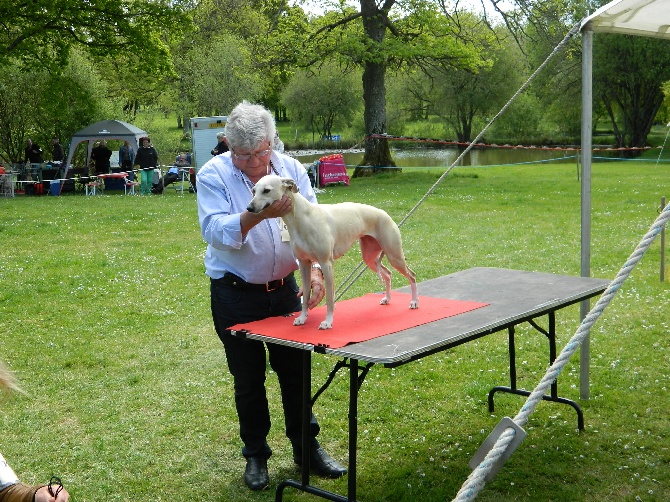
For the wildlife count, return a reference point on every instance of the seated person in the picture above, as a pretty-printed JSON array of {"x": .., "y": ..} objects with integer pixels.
[
  {"x": 171, "y": 175},
  {"x": 183, "y": 160}
]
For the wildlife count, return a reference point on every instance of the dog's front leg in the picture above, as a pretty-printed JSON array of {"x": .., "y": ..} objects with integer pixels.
[
  {"x": 306, "y": 277},
  {"x": 329, "y": 283}
]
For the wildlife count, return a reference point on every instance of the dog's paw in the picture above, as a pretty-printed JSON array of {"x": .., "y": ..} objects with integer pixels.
[
  {"x": 325, "y": 325},
  {"x": 414, "y": 304},
  {"x": 385, "y": 301},
  {"x": 300, "y": 321}
]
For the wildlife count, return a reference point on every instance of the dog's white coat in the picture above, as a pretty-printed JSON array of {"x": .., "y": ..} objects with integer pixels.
[{"x": 324, "y": 232}]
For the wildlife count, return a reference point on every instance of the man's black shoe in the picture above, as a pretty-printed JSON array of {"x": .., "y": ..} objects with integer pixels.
[
  {"x": 256, "y": 474},
  {"x": 321, "y": 463}
]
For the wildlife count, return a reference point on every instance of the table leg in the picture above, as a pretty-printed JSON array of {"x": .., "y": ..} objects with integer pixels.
[
  {"x": 304, "y": 485},
  {"x": 353, "y": 427},
  {"x": 306, "y": 412},
  {"x": 512, "y": 389}
]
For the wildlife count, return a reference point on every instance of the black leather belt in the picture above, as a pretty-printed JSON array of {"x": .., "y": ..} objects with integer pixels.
[{"x": 231, "y": 279}]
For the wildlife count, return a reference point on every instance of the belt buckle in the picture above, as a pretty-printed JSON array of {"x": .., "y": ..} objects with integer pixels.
[{"x": 269, "y": 288}]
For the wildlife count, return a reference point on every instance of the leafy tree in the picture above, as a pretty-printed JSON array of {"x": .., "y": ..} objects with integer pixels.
[
  {"x": 132, "y": 83},
  {"x": 71, "y": 101},
  {"x": 628, "y": 71},
  {"x": 16, "y": 111},
  {"x": 406, "y": 99},
  {"x": 558, "y": 87},
  {"x": 41, "y": 32},
  {"x": 461, "y": 95},
  {"x": 322, "y": 99},
  {"x": 521, "y": 122},
  {"x": 273, "y": 33},
  {"x": 216, "y": 75},
  {"x": 39, "y": 105},
  {"x": 628, "y": 75},
  {"x": 377, "y": 38}
]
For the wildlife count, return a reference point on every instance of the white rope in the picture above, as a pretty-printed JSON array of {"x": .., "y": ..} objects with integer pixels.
[
  {"x": 658, "y": 159},
  {"x": 476, "y": 481}
]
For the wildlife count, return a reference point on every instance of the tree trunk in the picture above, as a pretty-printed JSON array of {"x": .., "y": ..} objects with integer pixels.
[{"x": 377, "y": 155}]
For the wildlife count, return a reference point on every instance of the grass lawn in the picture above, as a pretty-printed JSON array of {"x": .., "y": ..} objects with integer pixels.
[{"x": 104, "y": 316}]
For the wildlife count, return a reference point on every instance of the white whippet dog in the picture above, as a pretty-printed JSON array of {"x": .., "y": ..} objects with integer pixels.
[{"x": 324, "y": 232}]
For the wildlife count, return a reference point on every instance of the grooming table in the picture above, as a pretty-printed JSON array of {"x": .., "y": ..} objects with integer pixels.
[{"x": 490, "y": 300}]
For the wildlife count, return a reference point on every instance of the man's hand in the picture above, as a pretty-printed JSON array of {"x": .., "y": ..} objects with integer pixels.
[
  {"x": 277, "y": 209},
  {"x": 317, "y": 287},
  {"x": 43, "y": 495}
]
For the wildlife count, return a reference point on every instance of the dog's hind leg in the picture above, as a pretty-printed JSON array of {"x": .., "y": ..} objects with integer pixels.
[
  {"x": 392, "y": 247},
  {"x": 372, "y": 256},
  {"x": 400, "y": 265}
]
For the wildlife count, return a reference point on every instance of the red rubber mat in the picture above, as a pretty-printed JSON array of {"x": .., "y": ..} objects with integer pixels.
[{"x": 359, "y": 319}]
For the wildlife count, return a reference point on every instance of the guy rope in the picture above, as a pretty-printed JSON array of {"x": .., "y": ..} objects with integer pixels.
[{"x": 481, "y": 473}]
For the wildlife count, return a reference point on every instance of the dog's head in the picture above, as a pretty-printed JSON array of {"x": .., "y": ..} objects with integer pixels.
[{"x": 269, "y": 189}]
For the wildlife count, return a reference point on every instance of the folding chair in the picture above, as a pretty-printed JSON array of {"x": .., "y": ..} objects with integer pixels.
[
  {"x": 92, "y": 187},
  {"x": 129, "y": 187},
  {"x": 7, "y": 184}
]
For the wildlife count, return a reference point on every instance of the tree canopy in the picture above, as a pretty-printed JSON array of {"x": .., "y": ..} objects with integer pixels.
[
  {"x": 446, "y": 65},
  {"x": 322, "y": 99},
  {"x": 628, "y": 76},
  {"x": 41, "y": 32},
  {"x": 380, "y": 36}
]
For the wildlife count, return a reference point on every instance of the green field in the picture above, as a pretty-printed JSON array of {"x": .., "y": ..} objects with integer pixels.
[{"x": 104, "y": 316}]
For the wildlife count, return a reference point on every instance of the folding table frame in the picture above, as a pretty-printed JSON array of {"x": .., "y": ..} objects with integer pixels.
[{"x": 513, "y": 296}]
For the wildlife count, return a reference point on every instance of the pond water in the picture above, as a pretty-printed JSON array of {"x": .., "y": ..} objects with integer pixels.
[{"x": 443, "y": 158}]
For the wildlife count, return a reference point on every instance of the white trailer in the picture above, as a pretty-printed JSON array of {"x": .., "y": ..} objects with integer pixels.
[{"x": 203, "y": 137}]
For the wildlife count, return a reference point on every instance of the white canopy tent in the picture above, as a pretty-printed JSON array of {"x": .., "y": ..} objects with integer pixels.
[
  {"x": 647, "y": 18},
  {"x": 105, "y": 129}
]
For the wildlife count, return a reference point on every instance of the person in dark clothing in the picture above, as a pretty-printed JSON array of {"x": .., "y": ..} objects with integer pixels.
[
  {"x": 58, "y": 155},
  {"x": 221, "y": 146},
  {"x": 101, "y": 155},
  {"x": 147, "y": 159},
  {"x": 127, "y": 159},
  {"x": 33, "y": 152},
  {"x": 34, "y": 158}
]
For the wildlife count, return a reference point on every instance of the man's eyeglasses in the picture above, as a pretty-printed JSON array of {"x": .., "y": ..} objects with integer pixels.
[
  {"x": 247, "y": 156},
  {"x": 55, "y": 486}
]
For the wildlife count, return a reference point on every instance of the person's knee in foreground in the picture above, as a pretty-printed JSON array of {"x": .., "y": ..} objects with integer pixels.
[
  {"x": 251, "y": 266},
  {"x": 11, "y": 490}
]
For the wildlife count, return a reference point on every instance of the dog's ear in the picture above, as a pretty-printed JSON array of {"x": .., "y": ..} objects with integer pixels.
[{"x": 290, "y": 184}]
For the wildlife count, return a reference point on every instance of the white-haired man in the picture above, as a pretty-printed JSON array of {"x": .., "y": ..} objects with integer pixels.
[{"x": 251, "y": 269}]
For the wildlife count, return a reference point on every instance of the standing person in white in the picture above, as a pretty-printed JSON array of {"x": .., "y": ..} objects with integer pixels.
[{"x": 251, "y": 269}]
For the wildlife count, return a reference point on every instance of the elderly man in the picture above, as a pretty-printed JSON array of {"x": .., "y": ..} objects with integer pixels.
[{"x": 251, "y": 266}]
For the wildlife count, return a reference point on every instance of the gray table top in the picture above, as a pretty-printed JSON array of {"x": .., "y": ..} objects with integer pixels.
[{"x": 513, "y": 297}]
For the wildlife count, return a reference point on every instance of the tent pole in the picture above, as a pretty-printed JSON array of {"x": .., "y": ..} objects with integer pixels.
[{"x": 587, "y": 143}]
